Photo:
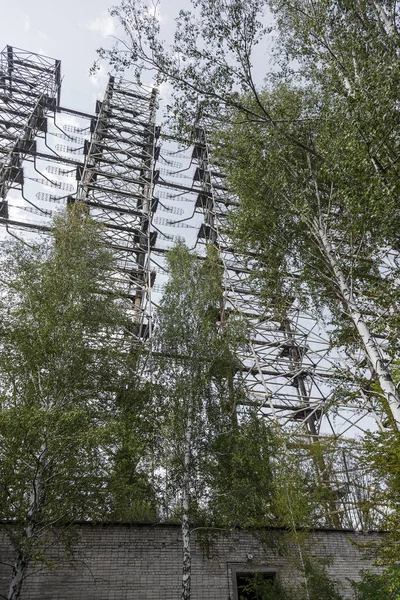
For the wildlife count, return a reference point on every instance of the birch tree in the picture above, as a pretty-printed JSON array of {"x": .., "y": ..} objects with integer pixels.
[
  {"x": 209, "y": 62},
  {"x": 348, "y": 54},
  {"x": 351, "y": 49},
  {"x": 208, "y": 452},
  {"x": 185, "y": 335},
  {"x": 60, "y": 364},
  {"x": 132, "y": 483},
  {"x": 320, "y": 223}
]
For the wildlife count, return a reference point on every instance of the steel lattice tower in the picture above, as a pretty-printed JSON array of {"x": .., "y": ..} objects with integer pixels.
[
  {"x": 29, "y": 90},
  {"x": 116, "y": 182},
  {"x": 126, "y": 171},
  {"x": 110, "y": 155},
  {"x": 289, "y": 366}
]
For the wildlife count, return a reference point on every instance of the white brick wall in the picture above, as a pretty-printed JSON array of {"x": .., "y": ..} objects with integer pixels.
[{"x": 143, "y": 562}]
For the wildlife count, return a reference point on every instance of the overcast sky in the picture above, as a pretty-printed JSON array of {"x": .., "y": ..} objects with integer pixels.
[{"x": 72, "y": 30}]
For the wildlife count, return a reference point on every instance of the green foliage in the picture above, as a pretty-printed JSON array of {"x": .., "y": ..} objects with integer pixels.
[
  {"x": 132, "y": 483},
  {"x": 292, "y": 504},
  {"x": 317, "y": 145},
  {"x": 378, "y": 587},
  {"x": 241, "y": 480},
  {"x": 215, "y": 41},
  {"x": 348, "y": 55},
  {"x": 299, "y": 211},
  {"x": 352, "y": 51},
  {"x": 241, "y": 472},
  {"x": 383, "y": 460},
  {"x": 198, "y": 378},
  {"x": 315, "y": 149},
  {"x": 61, "y": 363},
  {"x": 285, "y": 191},
  {"x": 317, "y": 585}
]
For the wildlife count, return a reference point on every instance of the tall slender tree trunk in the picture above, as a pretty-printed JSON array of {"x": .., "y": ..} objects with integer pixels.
[
  {"x": 370, "y": 345},
  {"x": 187, "y": 556},
  {"x": 20, "y": 568},
  {"x": 387, "y": 22},
  {"x": 21, "y": 563}
]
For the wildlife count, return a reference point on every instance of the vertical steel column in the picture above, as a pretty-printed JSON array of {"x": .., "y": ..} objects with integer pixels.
[{"x": 117, "y": 181}]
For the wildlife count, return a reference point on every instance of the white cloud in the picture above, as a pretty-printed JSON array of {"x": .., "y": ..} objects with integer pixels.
[
  {"x": 103, "y": 25},
  {"x": 154, "y": 11},
  {"x": 27, "y": 24},
  {"x": 165, "y": 90}
]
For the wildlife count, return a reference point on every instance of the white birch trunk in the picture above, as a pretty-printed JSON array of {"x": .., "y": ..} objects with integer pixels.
[
  {"x": 371, "y": 347},
  {"x": 20, "y": 568},
  {"x": 21, "y": 563},
  {"x": 187, "y": 557},
  {"x": 387, "y": 23}
]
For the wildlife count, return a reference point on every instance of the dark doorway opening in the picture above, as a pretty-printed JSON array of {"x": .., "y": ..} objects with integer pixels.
[{"x": 251, "y": 586}]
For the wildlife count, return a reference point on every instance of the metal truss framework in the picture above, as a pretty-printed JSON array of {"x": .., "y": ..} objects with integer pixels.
[
  {"x": 116, "y": 182},
  {"x": 289, "y": 366},
  {"x": 118, "y": 164},
  {"x": 110, "y": 154},
  {"x": 29, "y": 90}
]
